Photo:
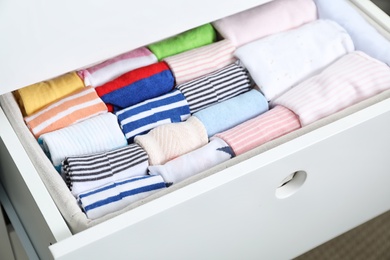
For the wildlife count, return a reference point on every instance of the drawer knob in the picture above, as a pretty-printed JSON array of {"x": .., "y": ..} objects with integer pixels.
[{"x": 291, "y": 184}]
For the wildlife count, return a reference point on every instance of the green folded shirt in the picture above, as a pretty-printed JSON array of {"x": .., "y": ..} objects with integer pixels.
[{"x": 185, "y": 41}]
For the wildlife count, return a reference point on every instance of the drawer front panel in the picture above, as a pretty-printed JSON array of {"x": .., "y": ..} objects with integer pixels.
[{"x": 347, "y": 169}]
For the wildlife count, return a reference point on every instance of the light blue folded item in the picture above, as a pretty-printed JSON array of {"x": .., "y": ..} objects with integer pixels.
[
  {"x": 229, "y": 113},
  {"x": 365, "y": 37}
]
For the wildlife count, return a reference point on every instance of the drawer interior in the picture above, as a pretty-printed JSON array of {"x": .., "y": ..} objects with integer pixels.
[{"x": 75, "y": 218}]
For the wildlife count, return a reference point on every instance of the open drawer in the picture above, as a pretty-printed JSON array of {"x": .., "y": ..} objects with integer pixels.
[{"x": 276, "y": 201}]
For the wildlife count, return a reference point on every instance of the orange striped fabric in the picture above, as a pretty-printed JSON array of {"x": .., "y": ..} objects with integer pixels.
[
  {"x": 79, "y": 105},
  {"x": 198, "y": 62}
]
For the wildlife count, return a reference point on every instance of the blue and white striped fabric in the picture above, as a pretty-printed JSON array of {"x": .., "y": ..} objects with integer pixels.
[
  {"x": 139, "y": 119},
  {"x": 117, "y": 195}
]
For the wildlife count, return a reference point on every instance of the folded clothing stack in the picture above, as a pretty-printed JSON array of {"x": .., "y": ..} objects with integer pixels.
[
  {"x": 272, "y": 124},
  {"x": 229, "y": 113},
  {"x": 270, "y": 18},
  {"x": 191, "y": 39},
  {"x": 279, "y": 62},
  {"x": 198, "y": 62},
  {"x": 110, "y": 69},
  {"x": 136, "y": 86},
  {"x": 117, "y": 195},
  {"x": 144, "y": 116},
  {"x": 349, "y": 80},
  {"x": 80, "y": 105},
  {"x": 86, "y": 172},
  {"x": 36, "y": 96},
  {"x": 215, "y": 87},
  {"x": 94, "y": 135},
  {"x": 169, "y": 141},
  {"x": 192, "y": 163}
]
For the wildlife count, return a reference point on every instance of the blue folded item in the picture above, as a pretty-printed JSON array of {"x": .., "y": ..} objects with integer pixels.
[
  {"x": 141, "y": 118},
  {"x": 234, "y": 111},
  {"x": 365, "y": 37}
]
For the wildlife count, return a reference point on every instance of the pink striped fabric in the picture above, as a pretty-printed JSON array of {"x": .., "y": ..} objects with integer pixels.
[
  {"x": 261, "y": 129},
  {"x": 198, "y": 62},
  {"x": 80, "y": 105},
  {"x": 351, "y": 79},
  {"x": 110, "y": 69}
]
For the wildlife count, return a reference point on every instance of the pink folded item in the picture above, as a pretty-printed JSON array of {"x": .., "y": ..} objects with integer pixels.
[
  {"x": 261, "y": 129},
  {"x": 110, "y": 69},
  {"x": 198, "y": 62},
  {"x": 351, "y": 79},
  {"x": 263, "y": 20},
  {"x": 80, "y": 105}
]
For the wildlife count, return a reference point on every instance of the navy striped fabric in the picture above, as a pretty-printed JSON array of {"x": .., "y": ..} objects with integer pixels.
[
  {"x": 215, "y": 87},
  {"x": 117, "y": 195},
  {"x": 139, "y": 119}
]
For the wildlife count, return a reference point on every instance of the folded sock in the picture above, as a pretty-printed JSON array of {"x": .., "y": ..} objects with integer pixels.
[
  {"x": 270, "y": 18},
  {"x": 34, "y": 97},
  {"x": 351, "y": 79},
  {"x": 229, "y": 113},
  {"x": 278, "y": 62},
  {"x": 110, "y": 69},
  {"x": 215, "y": 87},
  {"x": 365, "y": 37},
  {"x": 80, "y": 105},
  {"x": 117, "y": 195},
  {"x": 140, "y": 118},
  {"x": 136, "y": 86},
  {"x": 198, "y": 62},
  {"x": 94, "y": 135},
  {"x": 83, "y": 173},
  {"x": 192, "y": 163},
  {"x": 184, "y": 41},
  {"x": 169, "y": 141},
  {"x": 272, "y": 124}
]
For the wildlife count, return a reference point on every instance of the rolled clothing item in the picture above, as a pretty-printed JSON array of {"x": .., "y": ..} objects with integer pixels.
[
  {"x": 216, "y": 87},
  {"x": 112, "y": 68},
  {"x": 34, "y": 97},
  {"x": 169, "y": 141},
  {"x": 351, "y": 79},
  {"x": 139, "y": 119},
  {"x": 279, "y": 62},
  {"x": 136, "y": 86},
  {"x": 194, "y": 38},
  {"x": 365, "y": 37},
  {"x": 263, "y": 20},
  {"x": 94, "y": 135},
  {"x": 198, "y": 62},
  {"x": 192, "y": 163},
  {"x": 87, "y": 172},
  {"x": 117, "y": 195},
  {"x": 80, "y": 105},
  {"x": 270, "y": 125},
  {"x": 225, "y": 115}
]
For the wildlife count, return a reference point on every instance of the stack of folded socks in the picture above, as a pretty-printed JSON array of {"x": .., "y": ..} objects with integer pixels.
[
  {"x": 80, "y": 105},
  {"x": 86, "y": 172},
  {"x": 165, "y": 112},
  {"x": 144, "y": 116},
  {"x": 110, "y": 69},
  {"x": 136, "y": 86}
]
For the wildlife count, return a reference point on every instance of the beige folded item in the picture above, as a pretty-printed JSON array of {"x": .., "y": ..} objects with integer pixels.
[{"x": 169, "y": 141}]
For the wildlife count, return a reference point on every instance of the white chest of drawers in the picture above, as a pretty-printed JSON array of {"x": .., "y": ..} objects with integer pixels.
[{"x": 239, "y": 212}]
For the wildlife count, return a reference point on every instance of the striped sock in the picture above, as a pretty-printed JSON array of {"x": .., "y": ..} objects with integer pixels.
[{"x": 218, "y": 86}]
